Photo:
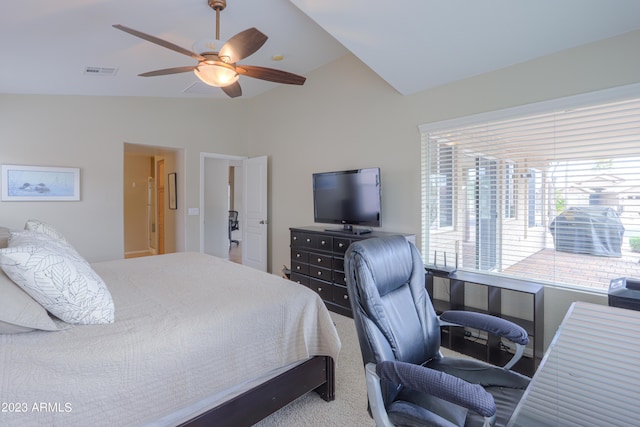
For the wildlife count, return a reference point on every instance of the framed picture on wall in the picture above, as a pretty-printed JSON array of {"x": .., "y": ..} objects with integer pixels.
[
  {"x": 173, "y": 196},
  {"x": 40, "y": 183}
]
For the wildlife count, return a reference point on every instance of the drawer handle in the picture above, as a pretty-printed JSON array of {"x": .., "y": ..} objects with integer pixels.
[
  {"x": 297, "y": 255},
  {"x": 295, "y": 238},
  {"x": 340, "y": 245},
  {"x": 319, "y": 259},
  {"x": 323, "y": 243},
  {"x": 319, "y": 273},
  {"x": 297, "y": 267},
  {"x": 346, "y": 297},
  {"x": 319, "y": 289},
  {"x": 308, "y": 240}
]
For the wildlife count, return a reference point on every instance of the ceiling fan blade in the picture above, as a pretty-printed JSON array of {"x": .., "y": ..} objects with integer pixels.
[
  {"x": 242, "y": 45},
  {"x": 233, "y": 90},
  {"x": 166, "y": 71},
  {"x": 160, "y": 42},
  {"x": 270, "y": 74}
]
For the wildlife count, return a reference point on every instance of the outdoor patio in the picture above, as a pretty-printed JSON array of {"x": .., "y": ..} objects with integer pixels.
[{"x": 577, "y": 269}]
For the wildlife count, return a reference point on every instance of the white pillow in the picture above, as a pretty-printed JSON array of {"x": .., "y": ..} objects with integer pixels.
[
  {"x": 19, "y": 312},
  {"x": 43, "y": 227},
  {"x": 56, "y": 276}
]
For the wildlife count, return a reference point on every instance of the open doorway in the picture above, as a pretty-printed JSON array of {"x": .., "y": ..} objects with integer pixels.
[
  {"x": 222, "y": 195},
  {"x": 149, "y": 224},
  {"x": 214, "y": 203},
  {"x": 235, "y": 210}
]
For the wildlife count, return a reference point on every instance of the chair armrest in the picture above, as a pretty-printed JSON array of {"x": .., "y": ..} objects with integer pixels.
[
  {"x": 492, "y": 324},
  {"x": 439, "y": 384},
  {"x": 486, "y": 322}
]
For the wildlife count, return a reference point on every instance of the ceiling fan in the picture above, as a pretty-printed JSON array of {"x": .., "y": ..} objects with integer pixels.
[{"x": 220, "y": 68}]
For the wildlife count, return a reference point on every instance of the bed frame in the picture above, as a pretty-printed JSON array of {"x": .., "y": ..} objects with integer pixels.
[{"x": 317, "y": 373}]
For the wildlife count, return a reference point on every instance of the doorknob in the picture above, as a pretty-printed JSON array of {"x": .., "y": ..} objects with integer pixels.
[{"x": 264, "y": 221}]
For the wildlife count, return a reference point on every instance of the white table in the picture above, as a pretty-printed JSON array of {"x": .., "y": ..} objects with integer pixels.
[{"x": 590, "y": 374}]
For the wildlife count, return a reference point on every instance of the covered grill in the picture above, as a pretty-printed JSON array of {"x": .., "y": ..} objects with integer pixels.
[{"x": 593, "y": 230}]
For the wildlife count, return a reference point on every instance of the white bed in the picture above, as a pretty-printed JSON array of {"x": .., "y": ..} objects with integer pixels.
[{"x": 190, "y": 331}]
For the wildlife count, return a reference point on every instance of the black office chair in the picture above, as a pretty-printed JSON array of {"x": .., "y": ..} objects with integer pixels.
[
  {"x": 233, "y": 225},
  {"x": 409, "y": 382}
]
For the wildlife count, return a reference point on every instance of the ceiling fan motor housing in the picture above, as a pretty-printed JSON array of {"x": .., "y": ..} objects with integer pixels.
[{"x": 217, "y": 4}]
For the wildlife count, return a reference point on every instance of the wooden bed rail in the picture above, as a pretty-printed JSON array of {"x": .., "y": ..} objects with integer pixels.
[{"x": 317, "y": 373}]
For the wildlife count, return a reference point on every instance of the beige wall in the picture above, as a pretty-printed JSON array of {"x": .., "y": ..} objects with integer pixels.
[
  {"x": 347, "y": 117},
  {"x": 89, "y": 133}
]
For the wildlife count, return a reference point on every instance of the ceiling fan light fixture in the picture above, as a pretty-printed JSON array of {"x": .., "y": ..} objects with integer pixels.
[{"x": 215, "y": 74}]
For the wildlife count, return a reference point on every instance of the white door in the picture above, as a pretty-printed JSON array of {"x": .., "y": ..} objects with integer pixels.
[{"x": 254, "y": 236}]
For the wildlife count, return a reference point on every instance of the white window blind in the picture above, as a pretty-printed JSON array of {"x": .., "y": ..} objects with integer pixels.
[{"x": 553, "y": 196}]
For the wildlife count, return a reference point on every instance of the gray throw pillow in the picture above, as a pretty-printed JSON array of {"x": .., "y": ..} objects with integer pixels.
[{"x": 19, "y": 312}]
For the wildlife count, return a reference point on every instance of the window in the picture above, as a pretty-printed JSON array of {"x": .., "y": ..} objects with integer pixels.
[
  {"x": 440, "y": 205},
  {"x": 509, "y": 190},
  {"x": 534, "y": 197},
  {"x": 549, "y": 192}
]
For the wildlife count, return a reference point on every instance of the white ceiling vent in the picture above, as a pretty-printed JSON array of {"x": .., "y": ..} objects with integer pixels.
[{"x": 100, "y": 71}]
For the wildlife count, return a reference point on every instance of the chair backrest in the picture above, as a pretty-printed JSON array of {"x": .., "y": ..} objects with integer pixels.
[
  {"x": 393, "y": 314},
  {"x": 233, "y": 219}
]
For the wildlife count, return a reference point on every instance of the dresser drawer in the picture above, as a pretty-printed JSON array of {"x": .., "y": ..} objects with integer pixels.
[
  {"x": 340, "y": 245},
  {"x": 341, "y": 296},
  {"x": 300, "y": 278},
  {"x": 320, "y": 260},
  {"x": 324, "y": 242},
  {"x": 320, "y": 273},
  {"x": 303, "y": 240},
  {"x": 300, "y": 267},
  {"x": 299, "y": 255},
  {"x": 322, "y": 288},
  {"x": 297, "y": 239},
  {"x": 337, "y": 264},
  {"x": 339, "y": 278}
]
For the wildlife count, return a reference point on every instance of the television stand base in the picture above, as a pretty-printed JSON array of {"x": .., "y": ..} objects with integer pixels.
[{"x": 348, "y": 229}]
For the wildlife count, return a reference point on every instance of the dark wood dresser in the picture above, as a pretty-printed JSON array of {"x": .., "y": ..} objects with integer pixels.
[{"x": 317, "y": 261}]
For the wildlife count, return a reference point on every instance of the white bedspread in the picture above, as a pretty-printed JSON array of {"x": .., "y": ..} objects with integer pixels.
[{"x": 187, "y": 326}]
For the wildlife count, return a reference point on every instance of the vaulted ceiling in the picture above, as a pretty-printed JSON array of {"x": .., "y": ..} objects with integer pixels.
[{"x": 47, "y": 46}]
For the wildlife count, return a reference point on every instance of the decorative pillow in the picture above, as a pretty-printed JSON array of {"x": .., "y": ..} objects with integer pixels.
[
  {"x": 43, "y": 227},
  {"x": 4, "y": 237},
  {"x": 57, "y": 277},
  {"x": 19, "y": 312}
]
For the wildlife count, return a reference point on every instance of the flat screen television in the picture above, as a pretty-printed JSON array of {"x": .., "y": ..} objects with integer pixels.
[{"x": 350, "y": 197}]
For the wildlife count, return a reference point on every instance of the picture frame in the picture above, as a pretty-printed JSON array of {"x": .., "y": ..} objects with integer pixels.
[
  {"x": 173, "y": 195},
  {"x": 39, "y": 183}
]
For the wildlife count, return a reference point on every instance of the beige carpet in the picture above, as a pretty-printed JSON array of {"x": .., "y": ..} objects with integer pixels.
[{"x": 350, "y": 406}]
